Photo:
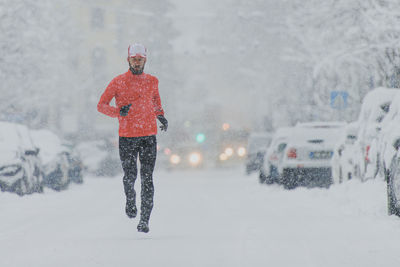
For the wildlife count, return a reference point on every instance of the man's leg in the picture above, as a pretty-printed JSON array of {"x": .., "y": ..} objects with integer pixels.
[
  {"x": 128, "y": 151},
  {"x": 147, "y": 157}
]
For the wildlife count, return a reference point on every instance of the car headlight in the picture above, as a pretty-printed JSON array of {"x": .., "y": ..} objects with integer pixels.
[
  {"x": 195, "y": 158},
  {"x": 241, "y": 151},
  {"x": 175, "y": 159},
  {"x": 228, "y": 151},
  {"x": 223, "y": 157}
]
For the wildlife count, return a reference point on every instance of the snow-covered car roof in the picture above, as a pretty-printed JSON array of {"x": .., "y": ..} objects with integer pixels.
[
  {"x": 312, "y": 132},
  {"x": 49, "y": 144},
  {"x": 14, "y": 138},
  {"x": 321, "y": 124},
  {"x": 394, "y": 111},
  {"x": 390, "y": 125},
  {"x": 376, "y": 104},
  {"x": 281, "y": 134}
]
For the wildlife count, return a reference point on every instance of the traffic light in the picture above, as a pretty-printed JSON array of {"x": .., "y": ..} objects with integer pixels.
[{"x": 200, "y": 138}]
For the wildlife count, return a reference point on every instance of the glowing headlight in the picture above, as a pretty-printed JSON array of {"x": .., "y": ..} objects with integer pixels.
[
  {"x": 175, "y": 159},
  {"x": 194, "y": 158},
  {"x": 229, "y": 151},
  {"x": 241, "y": 151},
  {"x": 223, "y": 157}
]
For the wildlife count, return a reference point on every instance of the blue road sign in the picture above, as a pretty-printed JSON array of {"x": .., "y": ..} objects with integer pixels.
[{"x": 339, "y": 99}]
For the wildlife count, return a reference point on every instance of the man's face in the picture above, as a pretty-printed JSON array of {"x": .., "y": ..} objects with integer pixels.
[{"x": 137, "y": 63}]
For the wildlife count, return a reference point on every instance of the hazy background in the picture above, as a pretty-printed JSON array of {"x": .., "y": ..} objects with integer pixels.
[{"x": 256, "y": 64}]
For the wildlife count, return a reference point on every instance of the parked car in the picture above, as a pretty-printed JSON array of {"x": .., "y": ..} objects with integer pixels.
[
  {"x": 308, "y": 154},
  {"x": 273, "y": 157},
  {"x": 61, "y": 165},
  {"x": 375, "y": 107},
  {"x": 100, "y": 157},
  {"x": 385, "y": 148},
  {"x": 343, "y": 156},
  {"x": 20, "y": 166},
  {"x": 256, "y": 147},
  {"x": 382, "y": 147},
  {"x": 393, "y": 183}
]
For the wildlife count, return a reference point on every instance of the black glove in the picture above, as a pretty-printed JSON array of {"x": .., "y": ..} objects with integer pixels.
[
  {"x": 124, "y": 110},
  {"x": 164, "y": 122}
]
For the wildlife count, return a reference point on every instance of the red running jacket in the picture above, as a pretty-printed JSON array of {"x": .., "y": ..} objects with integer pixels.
[{"x": 142, "y": 92}]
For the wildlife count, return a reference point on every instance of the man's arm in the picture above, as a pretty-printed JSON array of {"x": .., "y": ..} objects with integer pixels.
[
  {"x": 104, "y": 104},
  {"x": 156, "y": 99},
  {"x": 158, "y": 108}
]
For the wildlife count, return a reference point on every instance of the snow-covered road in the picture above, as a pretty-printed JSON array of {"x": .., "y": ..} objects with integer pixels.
[{"x": 201, "y": 218}]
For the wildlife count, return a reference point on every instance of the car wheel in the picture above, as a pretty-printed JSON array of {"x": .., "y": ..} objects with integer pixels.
[
  {"x": 269, "y": 180},
  {"x": 392, "y": 177},
  {"x": 17, "y": 188},
  {"x": 56, "y": 180},
  {"x": 76, "y": 176},
  {"x": 262, "y": 178},
  {"x": 21, "y": 186}
]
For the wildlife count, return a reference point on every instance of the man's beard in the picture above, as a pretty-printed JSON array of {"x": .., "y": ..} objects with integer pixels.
[{"x": 136, "y": 71}]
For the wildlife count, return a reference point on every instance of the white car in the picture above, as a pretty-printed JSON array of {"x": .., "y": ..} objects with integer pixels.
[
  {"x": 393, "y": 183},
  {"x": 273, "y": 157},
  {"x": 383, "y": 144},
  {"x": 386, "y": 146},
  {"x": 20, "y": 166},
  {"x": 342, "y": 160},
  {"x": 375, "y": 107},
  {"x": 60, "y": 164},
  {"x": 308, "y": 154}
]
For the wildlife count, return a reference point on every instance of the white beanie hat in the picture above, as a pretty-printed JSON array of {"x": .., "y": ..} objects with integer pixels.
[{"x": 137, "y": 50}]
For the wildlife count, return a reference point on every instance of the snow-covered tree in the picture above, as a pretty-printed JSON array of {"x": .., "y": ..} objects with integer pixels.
[
  {"x": 345, "y": 45},
  {"x": 35, "y": 59}
]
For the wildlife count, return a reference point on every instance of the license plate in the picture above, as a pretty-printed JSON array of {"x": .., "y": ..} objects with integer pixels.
[{"x": 321, "y": 154}]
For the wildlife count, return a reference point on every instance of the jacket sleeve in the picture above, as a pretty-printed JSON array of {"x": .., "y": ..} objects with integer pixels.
[
  {"x": 104, "y": 104},
  {"x": 158, "y": 110}
]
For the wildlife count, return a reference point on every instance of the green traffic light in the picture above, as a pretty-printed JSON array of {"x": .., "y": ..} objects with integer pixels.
[{"x": 200, "y": 137}]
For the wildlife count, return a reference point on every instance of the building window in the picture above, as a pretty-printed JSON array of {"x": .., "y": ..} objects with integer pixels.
[{"x": 97, "y": 20}]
